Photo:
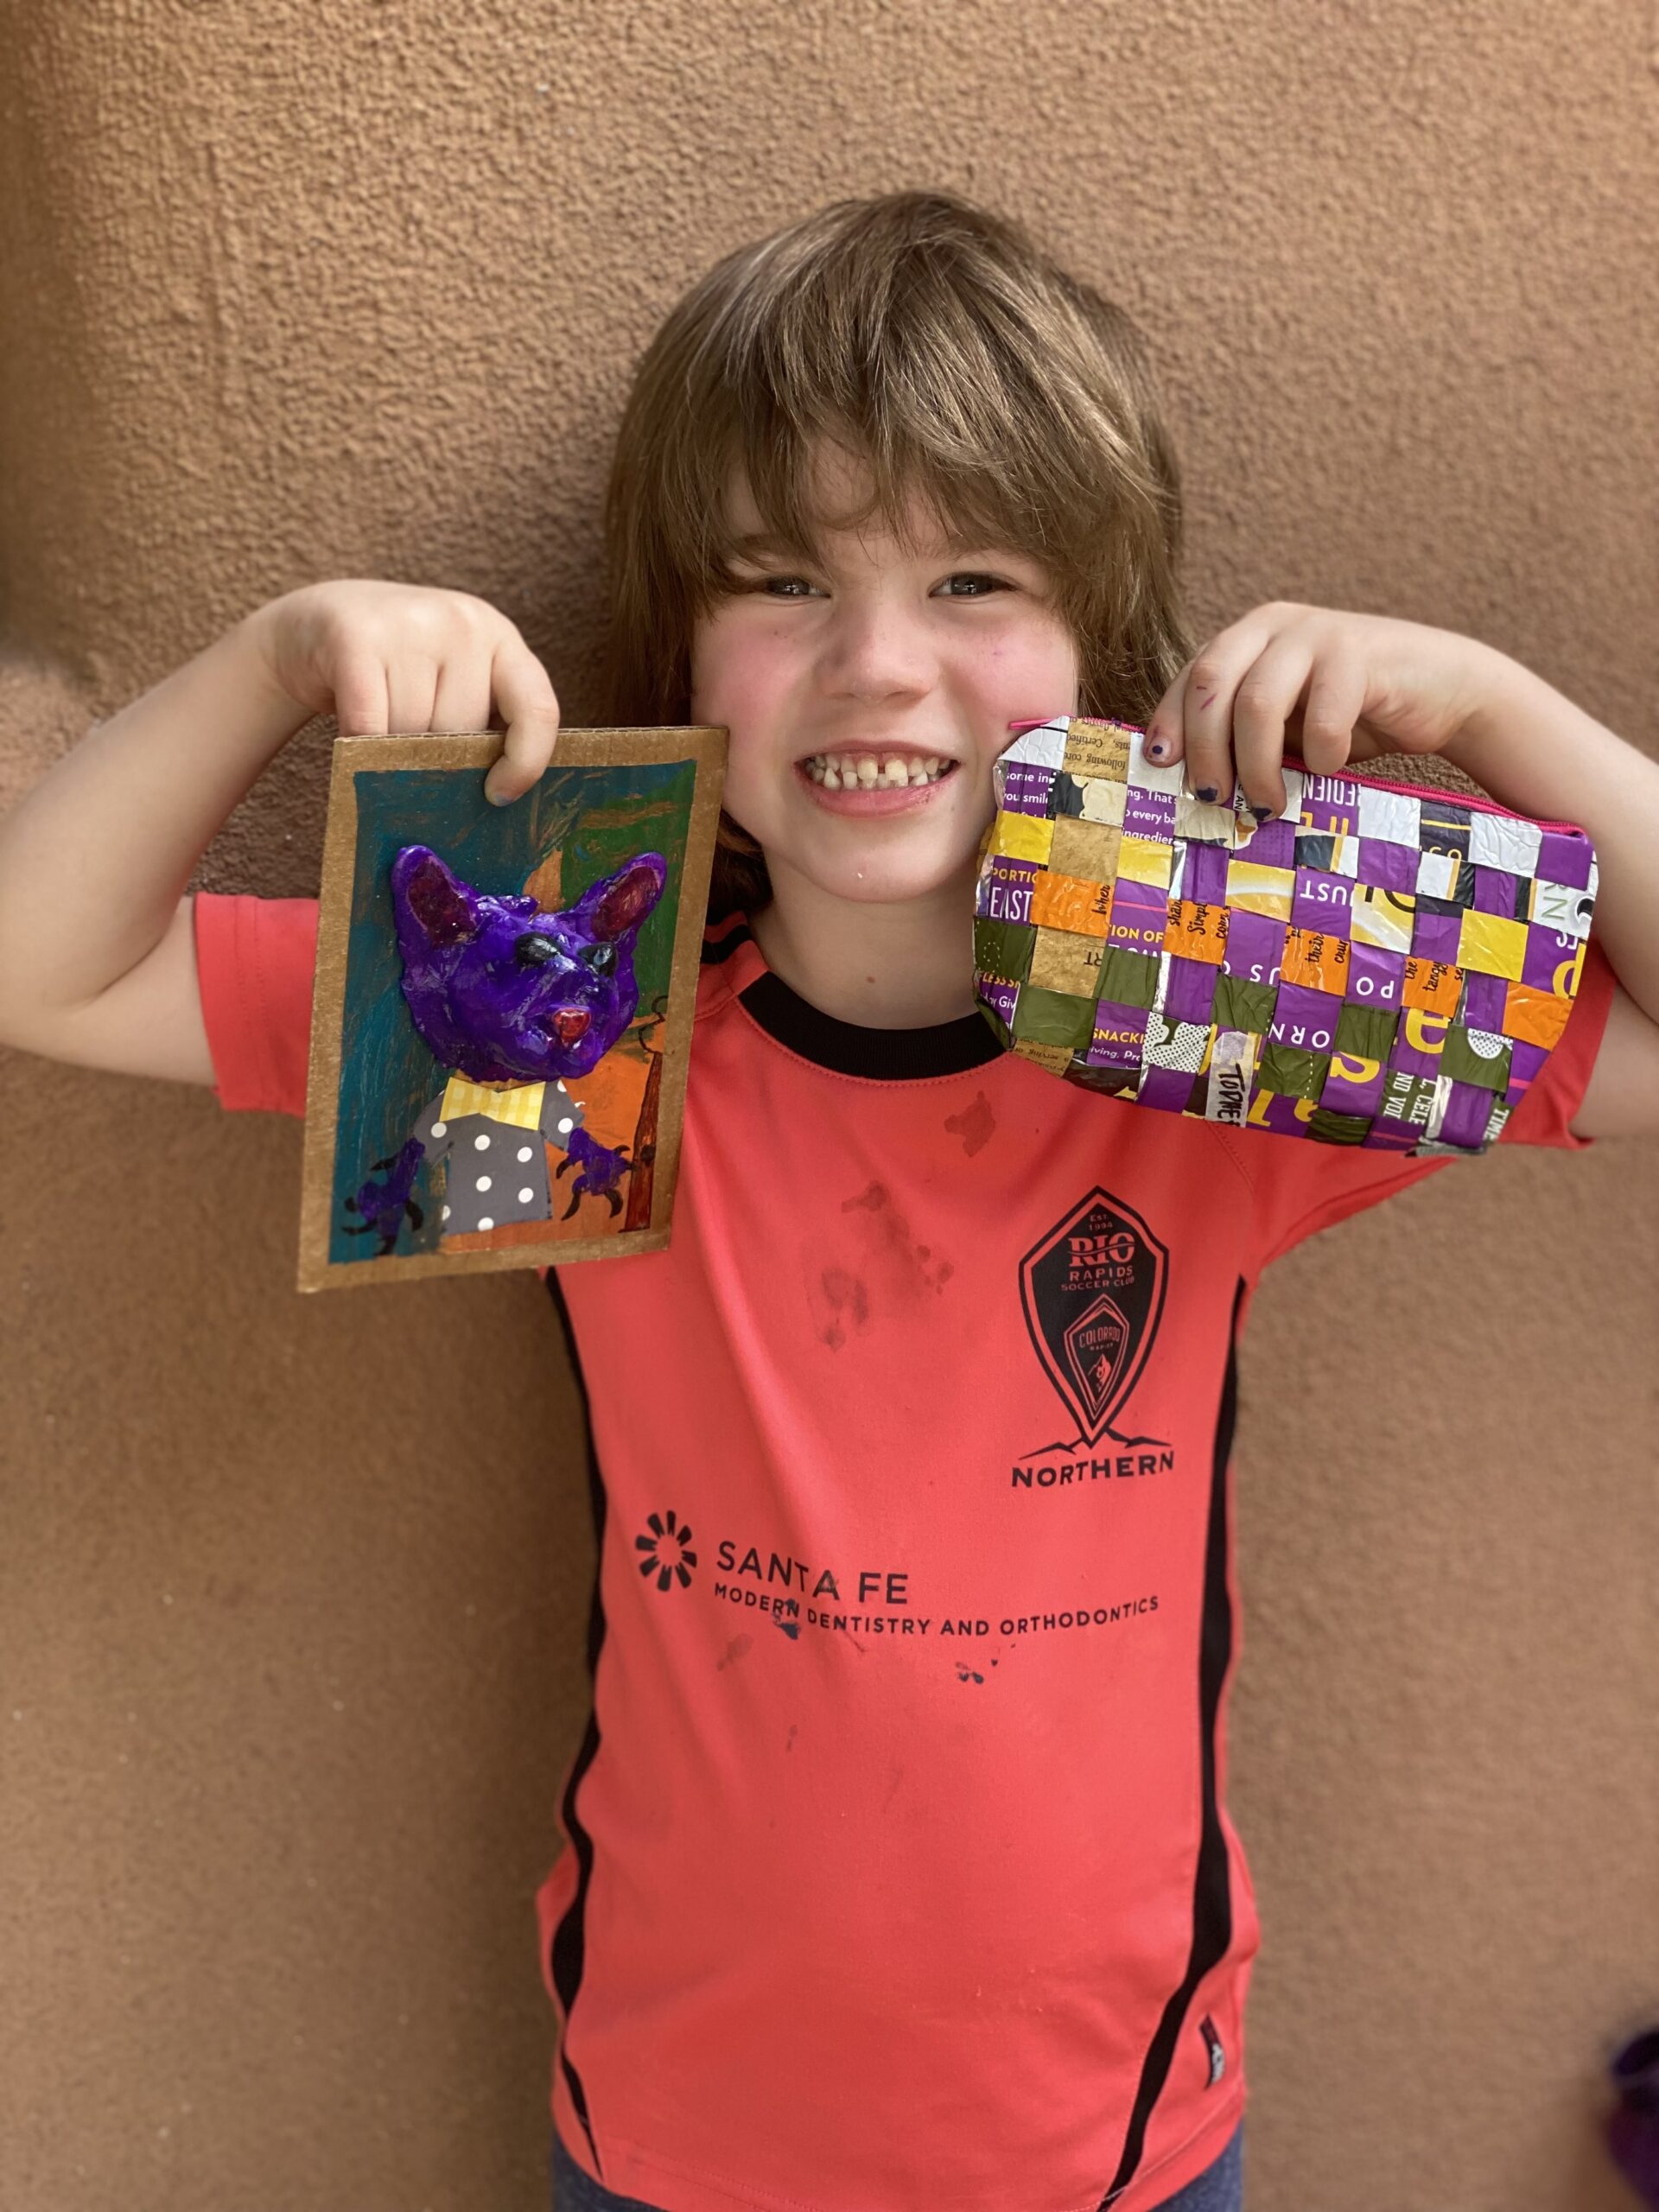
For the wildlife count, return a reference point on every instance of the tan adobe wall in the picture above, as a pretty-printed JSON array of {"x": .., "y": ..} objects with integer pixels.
[{"x": 291, "y": 1665}]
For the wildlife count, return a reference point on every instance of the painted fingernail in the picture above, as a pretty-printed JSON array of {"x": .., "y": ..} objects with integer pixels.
[
  {"x": 1262, "y": 812},
  {"x": 1208, "y": 791},
  {"x": 1157, "y": 749}
]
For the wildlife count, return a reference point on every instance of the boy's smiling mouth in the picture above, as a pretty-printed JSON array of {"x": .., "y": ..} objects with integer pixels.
[{"x": 867, "y": 775}]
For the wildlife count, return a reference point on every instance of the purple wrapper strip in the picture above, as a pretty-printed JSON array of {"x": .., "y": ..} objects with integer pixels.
[
  {"x": 1548, "y": 951},
  {"x": 1005, "y": 888},
  {"x": 1375, "y": 976},
  {"x": 1330, "y": 803},
  {"x": 1169, "y": 1088},
  {"x": 1270, "y": 1109},
  {"x": 1390, "y": 867},
  {"x": 1027, "y": 788},
  {"x": 1466, "y": 1115},
  {"x": 1306, "y": 1019},
  {"x": 1527, "y": 1062},
  {"x": 1483, "y": 1001},
  {"x": 1565, "y": 860},
  {"x": 1191, "y": 995},
  {"x": 1436, "y": 937},
  {"x": 1321, "y": 902},
  {"x": 1353, "y": 1097},
  {"x": 1205, "y": 879},
  {"x": 1496, "y": 892},
  {"x": 1149, "y": 814},
  {"x": 999, "y": 996},
  {"x": 1415, "y": 1059},
  {"x": 1255, "y": 945},
  {"x": 1274, "y": 845},
  {"x": 1120, "y": 1034}
]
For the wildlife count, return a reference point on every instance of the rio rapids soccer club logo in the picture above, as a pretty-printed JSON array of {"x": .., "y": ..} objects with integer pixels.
[{"x": 1093, "y": 1291}]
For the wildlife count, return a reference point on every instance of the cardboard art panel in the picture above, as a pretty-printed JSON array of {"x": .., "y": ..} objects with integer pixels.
[{"x": 502, "y": 1012}]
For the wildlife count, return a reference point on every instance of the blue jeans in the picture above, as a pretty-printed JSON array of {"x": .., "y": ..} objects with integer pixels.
[{"x": 1219, "y": 2188}]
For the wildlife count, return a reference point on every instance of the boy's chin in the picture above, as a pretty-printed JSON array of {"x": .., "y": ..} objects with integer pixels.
[{"x": 878, "y": 880}]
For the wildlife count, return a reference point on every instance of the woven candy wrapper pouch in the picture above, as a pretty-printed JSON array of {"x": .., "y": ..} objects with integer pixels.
[{"x": 1380, "y": 964}]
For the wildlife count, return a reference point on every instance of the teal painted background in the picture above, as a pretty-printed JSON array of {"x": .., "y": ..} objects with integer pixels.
[{"x": 598, "y": 817}]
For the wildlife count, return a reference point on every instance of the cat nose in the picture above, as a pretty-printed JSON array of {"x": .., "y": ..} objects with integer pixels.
[{"x": 570, "y": 1023}]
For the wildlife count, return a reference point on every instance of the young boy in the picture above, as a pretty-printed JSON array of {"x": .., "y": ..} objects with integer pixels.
[{"x": 900, "y": 1873}]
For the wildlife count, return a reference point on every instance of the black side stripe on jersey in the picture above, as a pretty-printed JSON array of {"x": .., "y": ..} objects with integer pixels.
[
  {"x": 1212, "y": 1903},
  {"x": 570, "y": 1939}
]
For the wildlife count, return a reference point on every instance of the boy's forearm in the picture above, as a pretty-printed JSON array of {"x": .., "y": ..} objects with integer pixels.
[
  {"x": 94, "y": 859},
  {"x": 1534, "y": 750}
]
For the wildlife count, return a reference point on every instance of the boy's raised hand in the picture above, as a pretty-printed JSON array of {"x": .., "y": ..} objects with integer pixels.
[
  {"x": 1334, "y": 687},
  {"x": 388, "y": 657}
]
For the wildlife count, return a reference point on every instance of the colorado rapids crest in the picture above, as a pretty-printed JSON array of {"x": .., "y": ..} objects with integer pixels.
[{"x": 1093, "y": 1291}]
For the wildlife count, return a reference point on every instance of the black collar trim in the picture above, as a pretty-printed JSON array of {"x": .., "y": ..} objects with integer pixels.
[
  {"x": 717, "y": 948},
  {"x": 882, "y": 1055}
]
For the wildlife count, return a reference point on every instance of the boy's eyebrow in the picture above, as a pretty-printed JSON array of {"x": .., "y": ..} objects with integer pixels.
[
  {"x": 757, "y": 543},
  {"x": 765, "y": 541}
]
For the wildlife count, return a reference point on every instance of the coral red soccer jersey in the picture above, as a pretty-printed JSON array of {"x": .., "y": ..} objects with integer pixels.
[{"x": 899, "y": 1874}]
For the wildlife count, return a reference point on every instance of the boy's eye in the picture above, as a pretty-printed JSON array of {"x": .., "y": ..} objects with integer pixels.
[
  {"x": 786, "y": 587},
  {"x": 980, "y": 585}
]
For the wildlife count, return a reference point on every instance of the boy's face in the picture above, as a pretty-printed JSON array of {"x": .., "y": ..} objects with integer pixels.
[{"x": 868, "y": 690}]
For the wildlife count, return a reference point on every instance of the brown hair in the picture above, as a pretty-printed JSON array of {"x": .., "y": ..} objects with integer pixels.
[{"x": 967, "y": 368}]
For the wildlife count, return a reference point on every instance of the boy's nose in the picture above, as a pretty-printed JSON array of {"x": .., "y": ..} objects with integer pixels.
[{"x": 876, "y": 653}]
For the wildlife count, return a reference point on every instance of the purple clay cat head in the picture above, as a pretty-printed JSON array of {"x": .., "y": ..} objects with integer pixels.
[{"x": 501, "y": 989}]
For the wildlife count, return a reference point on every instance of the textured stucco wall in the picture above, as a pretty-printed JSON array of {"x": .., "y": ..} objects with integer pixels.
[{"x": 290, "y": 1668}]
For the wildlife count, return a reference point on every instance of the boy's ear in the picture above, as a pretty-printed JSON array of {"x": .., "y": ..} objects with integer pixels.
[
  {"x": 439, "y": 904},
  {"x": 627, "y": 897}
]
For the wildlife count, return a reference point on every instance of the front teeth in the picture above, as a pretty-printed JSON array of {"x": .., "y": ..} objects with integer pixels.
[{"x": 852, "y": 772}]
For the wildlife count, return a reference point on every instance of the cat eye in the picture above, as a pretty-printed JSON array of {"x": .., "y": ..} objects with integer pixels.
[
  {"x": 534, "y": 949},
  {"x": 601, "y": 959}
]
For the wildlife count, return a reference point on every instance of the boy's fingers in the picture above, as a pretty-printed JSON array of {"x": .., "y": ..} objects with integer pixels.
[
  {"x": 362, "y": 704},
  {"x": 530, "y": 708},
  {"x": 1261, "y": 705},
  {"x": 1164, "y": 727},
  {"x": 462, "y": 699},
  {"x": 1207, "y": 715},
  {"x": 1336, "y": 698}
]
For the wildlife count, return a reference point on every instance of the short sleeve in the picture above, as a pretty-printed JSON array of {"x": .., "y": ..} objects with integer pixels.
[
  {"x": 1301, "y": 1186},
  {"x": 256, "y": 963}
]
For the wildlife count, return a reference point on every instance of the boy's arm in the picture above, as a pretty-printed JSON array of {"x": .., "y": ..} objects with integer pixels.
[
  {"x": 1534, "y": 750},
  {"x": 97, "y": 955}
]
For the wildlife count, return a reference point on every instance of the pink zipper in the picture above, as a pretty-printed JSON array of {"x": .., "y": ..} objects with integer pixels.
[{"x": 1377, "y": 784}]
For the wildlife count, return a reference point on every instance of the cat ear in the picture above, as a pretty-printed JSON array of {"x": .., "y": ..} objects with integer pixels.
[
  {"x": 627, "y": 897},
  {"x": 439, "y": 904}
]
